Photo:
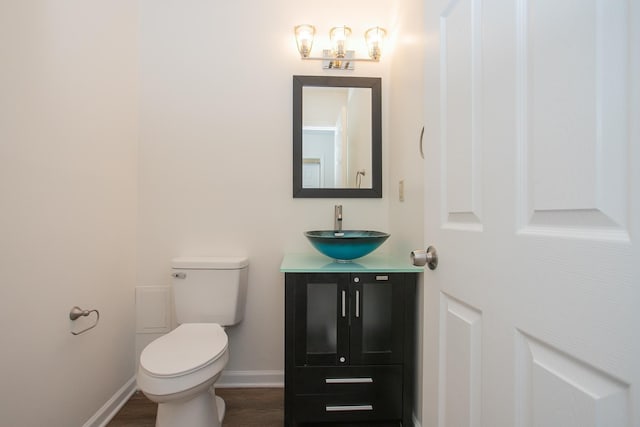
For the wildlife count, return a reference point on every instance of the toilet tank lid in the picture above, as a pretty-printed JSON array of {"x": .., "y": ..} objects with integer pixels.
[{"x": 210, "y": 263}]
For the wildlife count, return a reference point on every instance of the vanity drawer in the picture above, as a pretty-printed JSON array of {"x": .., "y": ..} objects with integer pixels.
[
  {"x": 379, "y": 405},
  {"x": 348, "y": 379}
]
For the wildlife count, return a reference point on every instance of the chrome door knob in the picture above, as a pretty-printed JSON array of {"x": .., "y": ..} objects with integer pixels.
[{"x": 428, "y": 257}]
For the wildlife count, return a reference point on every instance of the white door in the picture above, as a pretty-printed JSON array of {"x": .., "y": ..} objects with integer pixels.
[{"x": 532, "y": 145}]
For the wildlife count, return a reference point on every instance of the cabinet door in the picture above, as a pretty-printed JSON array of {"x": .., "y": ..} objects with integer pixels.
[
  {"x": 321, "y": 319},
  {"x": 377, "y": 327}
]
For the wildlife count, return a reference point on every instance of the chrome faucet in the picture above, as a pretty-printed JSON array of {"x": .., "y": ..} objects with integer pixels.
[{"x": 337, "y": 218}]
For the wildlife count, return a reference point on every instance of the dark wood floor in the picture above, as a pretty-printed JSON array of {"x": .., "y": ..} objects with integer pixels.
[{"x": 245, "y": 407}]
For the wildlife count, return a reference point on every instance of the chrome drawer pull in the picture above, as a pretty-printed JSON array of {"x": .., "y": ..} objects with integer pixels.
[
  {"x": 348, "y": 380},
  {"x": 347, "y": 408}
]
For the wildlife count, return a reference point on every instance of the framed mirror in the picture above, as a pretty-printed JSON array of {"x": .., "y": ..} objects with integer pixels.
[{"x": 337, "y": 137}]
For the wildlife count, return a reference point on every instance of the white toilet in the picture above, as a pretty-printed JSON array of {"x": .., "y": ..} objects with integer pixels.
[{"x": 178, "y": 370}]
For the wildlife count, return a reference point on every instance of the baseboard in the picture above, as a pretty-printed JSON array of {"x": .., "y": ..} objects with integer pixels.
[
  {"x": 113, "y": 405},
  {"x": 246, "y": 379}
]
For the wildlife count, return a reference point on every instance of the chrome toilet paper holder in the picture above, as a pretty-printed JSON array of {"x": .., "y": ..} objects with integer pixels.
[{"x": 76, "y": 312}]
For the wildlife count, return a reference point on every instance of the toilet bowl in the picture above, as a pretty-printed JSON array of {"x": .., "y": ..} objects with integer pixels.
[{"x": 178, "y": 371}]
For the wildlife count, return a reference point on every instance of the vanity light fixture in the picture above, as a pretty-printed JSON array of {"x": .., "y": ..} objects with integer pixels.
[
  {"x": 304, "y": 38},
  {"x": 374, "y": 38},
  {"x": 339, "y": 57},
  {"x": 339, "y": 37}
]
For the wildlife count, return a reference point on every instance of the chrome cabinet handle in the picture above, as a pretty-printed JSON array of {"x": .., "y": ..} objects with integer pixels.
[
  {"x": 357, "y": 303},
  {"x": 348, "y": 380},
  {"x": 420, "y": 257},
  {"x": 347, "y": 408},
  {"x": 344, "y": 303},
  {"x": 421, "y": 138}
]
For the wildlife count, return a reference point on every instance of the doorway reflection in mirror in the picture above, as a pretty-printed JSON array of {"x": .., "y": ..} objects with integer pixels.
[{"x": 336, "y": 135}]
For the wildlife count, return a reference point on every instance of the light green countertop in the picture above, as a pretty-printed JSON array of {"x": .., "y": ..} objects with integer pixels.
[{"x": 317, "y": 263}]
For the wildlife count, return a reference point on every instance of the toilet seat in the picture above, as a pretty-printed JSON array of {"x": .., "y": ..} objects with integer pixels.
[{"x": 188, "y": 348}]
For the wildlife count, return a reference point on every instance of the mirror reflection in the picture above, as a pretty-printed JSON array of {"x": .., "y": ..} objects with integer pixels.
[{"x": 337, "y": 137}]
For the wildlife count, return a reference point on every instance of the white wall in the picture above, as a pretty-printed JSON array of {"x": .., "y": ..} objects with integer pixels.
[
  {"x": 67, "y": 206},
  {"x": 405, "y": 121},
  {"x": 216, "y": 147}
]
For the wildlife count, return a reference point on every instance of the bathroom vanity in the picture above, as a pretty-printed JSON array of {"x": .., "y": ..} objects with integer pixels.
[{"x": 349, "y": 340}]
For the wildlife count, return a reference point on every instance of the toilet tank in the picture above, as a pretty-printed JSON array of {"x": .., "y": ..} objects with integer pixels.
[{"x": 209, "y": 289}]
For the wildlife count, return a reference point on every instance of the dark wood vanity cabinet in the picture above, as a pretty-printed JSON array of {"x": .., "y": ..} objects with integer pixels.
[{"x": 349, "y": 348}]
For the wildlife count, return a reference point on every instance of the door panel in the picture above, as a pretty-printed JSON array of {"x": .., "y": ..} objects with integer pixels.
[
  {"x": 377, "y": 307},
  {"x": 322, "y": 318},
  {"x": 555, "y": 389},
  {"x": 322, "y": 324},
  {"x": 532, "y": 147},
  {"x": 460, "y": 102},
  {"x": 572, "y": 113},
  {"x": 460, "y": 362},
  {"x": 377, "y": 326}
]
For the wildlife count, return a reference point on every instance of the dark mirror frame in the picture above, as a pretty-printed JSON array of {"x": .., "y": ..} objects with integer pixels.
[{"x": 375, "y": 84}]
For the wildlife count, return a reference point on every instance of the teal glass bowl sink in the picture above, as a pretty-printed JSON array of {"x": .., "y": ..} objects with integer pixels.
[{"x": 344, "y": 246}]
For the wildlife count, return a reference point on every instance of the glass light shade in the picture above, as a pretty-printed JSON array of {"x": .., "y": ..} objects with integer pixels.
[
  {"x": 339, "y": 36},
  {"x": 304, "y": 38},
  {"x": 374, "y": 38}
]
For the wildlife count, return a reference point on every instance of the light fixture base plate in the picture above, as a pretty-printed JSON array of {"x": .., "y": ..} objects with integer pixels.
[{"x": 329, "y": 62}]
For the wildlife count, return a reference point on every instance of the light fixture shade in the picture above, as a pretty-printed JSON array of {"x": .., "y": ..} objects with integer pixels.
[
  {"x": 304, "y": 38},
  {"x": 375, "y": 37},
  {"x": 339, "y": 36}
]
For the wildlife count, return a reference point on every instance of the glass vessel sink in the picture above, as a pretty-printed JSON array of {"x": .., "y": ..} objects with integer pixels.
[{"x": 346, "y": 245}]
